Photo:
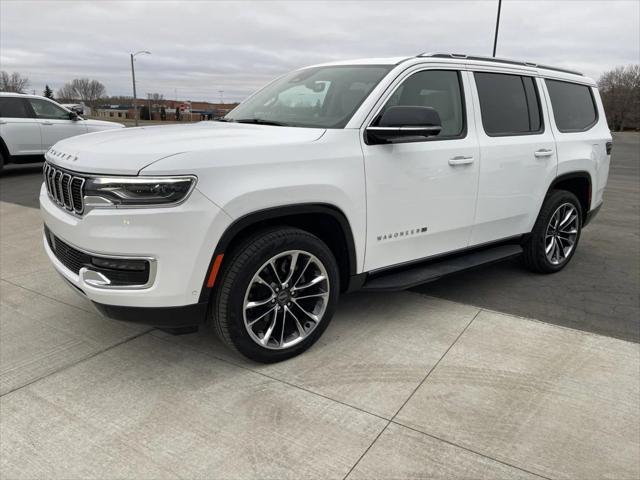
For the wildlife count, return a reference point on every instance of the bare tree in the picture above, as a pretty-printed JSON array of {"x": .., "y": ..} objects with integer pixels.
[
  {"x": 82, "y": 89},
  {"x": 620, "y": 92},
  {"x": 13, "y": 82}
]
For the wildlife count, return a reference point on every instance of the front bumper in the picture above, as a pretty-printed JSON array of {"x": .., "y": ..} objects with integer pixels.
[{"x": 180, "y": 240}]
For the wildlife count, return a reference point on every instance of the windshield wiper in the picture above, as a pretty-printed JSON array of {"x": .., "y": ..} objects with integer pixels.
[{"x": 260, "y": 121}]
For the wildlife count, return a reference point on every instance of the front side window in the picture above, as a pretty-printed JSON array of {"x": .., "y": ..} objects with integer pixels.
[
  {"x": 437, "y": 89},
  {"x": 324, "y": 97},
  {"x": 573, "y": 107},
  {"x": 48, "y": 110},
  {"x": 11, "y": 107},
  {"x": 509, "y": 104}
]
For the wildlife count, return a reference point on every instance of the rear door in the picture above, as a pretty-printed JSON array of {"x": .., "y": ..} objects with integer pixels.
[
  {"x": 518, "y": 157},
  {"x": 19, "y": 130},
  {"x": 55, "y": 122}
]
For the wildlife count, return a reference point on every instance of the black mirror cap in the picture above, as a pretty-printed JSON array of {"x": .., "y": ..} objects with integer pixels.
[
  {"x": 409, "y": 116},
  {"x": 404, "y": 124},
  {"x": 73, "y": 116}
]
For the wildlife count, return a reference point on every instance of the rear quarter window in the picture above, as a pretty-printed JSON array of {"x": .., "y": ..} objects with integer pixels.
[
  {"x": 11, "y": 107},
  {"x": 574, "y": 108}
]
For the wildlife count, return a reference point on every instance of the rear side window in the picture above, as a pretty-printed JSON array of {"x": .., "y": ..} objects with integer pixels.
[
  {"x": 11, "y": 107},
  {"x": 573, "y": 107},
  {"x": 509, "y": 104}
]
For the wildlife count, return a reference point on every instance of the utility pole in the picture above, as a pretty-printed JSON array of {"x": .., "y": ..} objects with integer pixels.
[
  {"x": 495, "y": 39},
  {"x": 221, "y": 96},
  {"x": 133, "y": 76}
]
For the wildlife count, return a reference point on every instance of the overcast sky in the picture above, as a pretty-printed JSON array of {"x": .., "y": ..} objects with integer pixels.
[{"x": 202, "y": 47}]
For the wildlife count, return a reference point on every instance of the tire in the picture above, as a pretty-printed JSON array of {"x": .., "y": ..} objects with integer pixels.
[
  {"x": 1, "y": 161},
  {"x": 251, "y": 302},
  {"x": 555, "y": 235}
]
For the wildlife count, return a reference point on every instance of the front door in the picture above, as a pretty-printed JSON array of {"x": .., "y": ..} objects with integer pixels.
[
  {"x": 55, "y": 123},
  {"x": 421, "y": 195},
  {"x": 19, "y": 130}
]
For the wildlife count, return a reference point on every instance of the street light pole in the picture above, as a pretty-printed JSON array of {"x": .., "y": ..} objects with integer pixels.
[
  {"x": 495, "y": 39},
  {"x": 133, "y": 77}
]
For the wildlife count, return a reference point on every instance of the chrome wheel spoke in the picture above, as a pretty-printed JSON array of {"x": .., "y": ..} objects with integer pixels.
[
  {"x": 312, "y": 316},
  {"x": 313, "y": 282},
  {"x": 253, "y": 322},
  {"x": 259, "y": 303},
  {"x": 267, "y": 335},
  {"x": 315, "y": 295},
  {"x": 301, "y": 332},
  {"x": 292, "y": 267}
]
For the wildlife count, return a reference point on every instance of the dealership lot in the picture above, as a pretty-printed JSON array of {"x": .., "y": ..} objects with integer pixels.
[{"x": 401, "y": 385}]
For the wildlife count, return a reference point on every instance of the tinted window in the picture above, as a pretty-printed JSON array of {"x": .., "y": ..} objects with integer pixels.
[
  {"x": 13, "y": 108},
  {"x": 573, "y": 106},
  {"x": 438, "y": 89},
  {"x": 50, "y": 110},
  {"x": 508, "y": 103}
]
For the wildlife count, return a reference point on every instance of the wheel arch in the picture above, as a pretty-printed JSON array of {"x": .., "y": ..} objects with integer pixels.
[
  {"x": 325, "y": 221},
  {"x": 580, "y": 184}
]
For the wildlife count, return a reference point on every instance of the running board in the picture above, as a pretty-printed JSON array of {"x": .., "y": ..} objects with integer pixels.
[{"x": 416, "y": 275}]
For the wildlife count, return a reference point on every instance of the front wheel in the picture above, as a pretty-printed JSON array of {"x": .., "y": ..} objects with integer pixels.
[
  {"x": 555, "y": 235},
  {"x": 276, "y": 295}
]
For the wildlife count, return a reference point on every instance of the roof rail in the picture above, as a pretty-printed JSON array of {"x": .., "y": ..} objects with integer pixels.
[{"x": 497, "y": 60}]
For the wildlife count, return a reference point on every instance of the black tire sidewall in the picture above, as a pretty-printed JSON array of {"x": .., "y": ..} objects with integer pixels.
[{"x": 238, "y": 282}]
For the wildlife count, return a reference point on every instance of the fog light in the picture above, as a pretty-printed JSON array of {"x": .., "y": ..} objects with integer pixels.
[{"x": 119, "y": 264}]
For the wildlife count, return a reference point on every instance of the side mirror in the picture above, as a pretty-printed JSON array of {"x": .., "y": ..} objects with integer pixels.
[
  {"x": 407, "y": 123},
  {"x": 73, "y": 116}
]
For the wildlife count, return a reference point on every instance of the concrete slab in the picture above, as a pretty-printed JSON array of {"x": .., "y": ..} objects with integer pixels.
[
  {"x": 376, "y": 351},
  {"x": 153, "y": 409},
  {"x": 22, "y": 255},
  {"x": 401, "y": 453},
  {"x": 50, "y": 284},
  {"x": 40, "y": 336},
  {"x": 557, "y": 402}
]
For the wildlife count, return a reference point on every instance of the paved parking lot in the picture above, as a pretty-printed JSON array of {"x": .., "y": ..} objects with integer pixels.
[{"x": 402, "y": 385}]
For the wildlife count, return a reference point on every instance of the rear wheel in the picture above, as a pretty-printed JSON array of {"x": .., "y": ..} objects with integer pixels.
[
  {"x": 276, "y": 295},
  {"x": 554, "y": 238}
]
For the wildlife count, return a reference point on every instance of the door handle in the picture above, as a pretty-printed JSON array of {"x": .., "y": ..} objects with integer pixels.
[
  {"x": 544, "y": 152},
  {"x": 461, "y": 160},
  {"x": 46, "y": 123},
  {"x": 3, "y": 122}
]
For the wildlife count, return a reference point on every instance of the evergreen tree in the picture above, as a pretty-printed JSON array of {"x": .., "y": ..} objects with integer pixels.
[{"x": 48, "y": 92}]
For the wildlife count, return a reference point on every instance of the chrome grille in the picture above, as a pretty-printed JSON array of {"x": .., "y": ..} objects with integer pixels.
[{"x": 65, "y": 188}]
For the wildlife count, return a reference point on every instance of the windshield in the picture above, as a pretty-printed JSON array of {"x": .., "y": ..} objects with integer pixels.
[{"x": 324, "y": 97}]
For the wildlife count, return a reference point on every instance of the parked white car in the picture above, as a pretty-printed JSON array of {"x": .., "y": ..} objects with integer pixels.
[
  {"x": 376, "y": 174},
  {"x": 30, "y": 125}
]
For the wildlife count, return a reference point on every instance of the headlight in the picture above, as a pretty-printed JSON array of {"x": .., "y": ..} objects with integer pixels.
[{"x": 137, "y": 191}]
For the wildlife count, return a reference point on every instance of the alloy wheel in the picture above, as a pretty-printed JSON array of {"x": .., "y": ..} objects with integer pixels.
[
  {"x": 286, "y": 299},
  {"x": 562, "y": 233}
]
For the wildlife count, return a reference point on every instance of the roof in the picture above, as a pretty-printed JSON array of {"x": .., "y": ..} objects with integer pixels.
[
  {"x": 14, "y": 94},
  {"x": 501, "y": 63}
]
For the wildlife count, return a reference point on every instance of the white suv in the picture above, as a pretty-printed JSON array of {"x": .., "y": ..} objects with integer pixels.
[
  {"x": 30, "y": 125},
  {"x": 374, "y": 174}
]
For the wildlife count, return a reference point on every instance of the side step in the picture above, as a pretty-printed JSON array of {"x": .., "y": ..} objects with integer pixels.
[{"x": 428, "y": 272}]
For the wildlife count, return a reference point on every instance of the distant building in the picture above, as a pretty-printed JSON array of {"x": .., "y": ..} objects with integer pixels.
[
  {"x": 189, "y": 111},
  {"x": 114, "y": 111}
]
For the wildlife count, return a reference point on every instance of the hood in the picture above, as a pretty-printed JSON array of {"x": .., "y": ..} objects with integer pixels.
[
  {"x": 127, "y": 151},
  {"x": 102, "y": 124}
]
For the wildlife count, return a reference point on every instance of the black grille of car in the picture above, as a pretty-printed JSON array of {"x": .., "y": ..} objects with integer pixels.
[
  {"x": 65, "y": 188},
  {"x": 74, "y": 260}
]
